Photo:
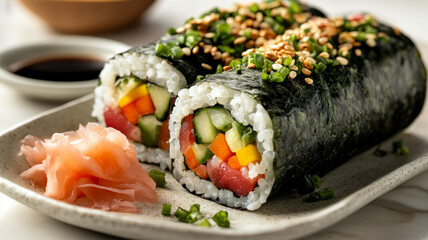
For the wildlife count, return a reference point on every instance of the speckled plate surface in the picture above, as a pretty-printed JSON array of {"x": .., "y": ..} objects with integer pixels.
[{"x": 356, "y": 183}]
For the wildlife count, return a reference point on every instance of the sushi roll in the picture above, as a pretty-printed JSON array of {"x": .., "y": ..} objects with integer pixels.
[
  {"x": 137, "y": 88},
  {"x": 299, "y": 105}
]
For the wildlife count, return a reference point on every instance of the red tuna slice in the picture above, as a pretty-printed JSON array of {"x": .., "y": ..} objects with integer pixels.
[
  {"x": 224, "y": 176},
  {"x": 118, "y": 121},
  {"x": 187, "y": 134}
]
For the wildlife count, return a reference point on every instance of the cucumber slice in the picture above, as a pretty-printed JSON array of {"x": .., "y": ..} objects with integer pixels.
[
  {"x": 239, "y": 136},
  {"x": 149, "y": 127},
  {"x": 205, "y": 132},
  {"x": 202, "y": 152},
  {"x": 126, "y": 84},
  {"x": 221, "y": 118},
  {"x": 161, "y": 99},
  {"x": 234, "y": 140}
]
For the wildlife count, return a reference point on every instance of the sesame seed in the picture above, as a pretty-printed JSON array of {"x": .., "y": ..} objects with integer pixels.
[
  {"x": 251, "y": 65},
  {"x": 396, "y": 31},
  {"x": 324, "y": 55},
  {"x": 186, "y": 51},
  {"x": 207, "y": 48},
  {"x": 217, "y": 55},
  {"x": 225, "y": 68},
  {"x": 309, "y": 81},
  {"x": 213, "y": 50},
  {"x": 206, "y": 66},
  {"x": 195, "y": 50},
  {"x": 239, "y": 40},
  {"x": 306, "y": 71},
  {"x": 323, "y": 40},
  {"x": 371, "y": 42},
  {"x": 202, "y": 44},
  {"x": 279, "y": 61},
  {"x": 292, "y": 75},
  {"x": 294, "y": 67},
  {"x": 209, "y": 35},
  {"x": 276, "y": 66},
  {"x": 180, "y": 30},
  {"x": 358, "y": 52},
  {"x": 343, "y": 61}
]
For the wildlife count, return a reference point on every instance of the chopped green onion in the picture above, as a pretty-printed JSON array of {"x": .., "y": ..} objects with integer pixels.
[
  {"x": 192, "y": 41},
  {"x": 219, "y": 69},
  {"x": 254, "y": 8},
  {"x": 305, "y": 185},
  {"x": 398, "y": 147},
  {"x": 199, "y": 78},
  {"x": 181, "y": 39},
  {"x": 171, "y": 31},
  {"x": 188, "y": 20},
  {"x": 162, "y": 50},
  {"x": 320, "y": 67},
  {"x": 252, "y": 58},
  {"x": 317, "y": 181},
  {"x": 193, "y": 217},
  {"x": 205, "y": 223},
  {"x": 181, "y": 214},
  {"x": 294, "y": 7},
  {"x": 287, "y": 61},
  {"x": 176, "y": 53},
  {"x": 247, "y": 34},
  {"x": 324, "y": 194},
  {"x": 280, "y": 75},
  {"x": 158, "y": 177},
  {"x": 259, "y": 60},
  {"x": 379, "y": 152},
  {"x": 265, "y": 75},
  {"x": 221, "y": 218},
  {"x": 166, "y": 209},
  {"x": 223, "y": 29},
  {"x": 195, "y": 208}
]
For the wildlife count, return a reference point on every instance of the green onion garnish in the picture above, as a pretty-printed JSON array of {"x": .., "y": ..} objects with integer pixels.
[
  {"x": 324, "y": 194},
  {"x": 219, "y": 69},
  {"x": 205, "y": 223},
  {"x": 193, "y": 217},
  {"x": 162, "y": 50},
  {"x": 195, "y": 208},
  {"x": 398, "y": 147},
  {"x": 158, "y": 177},
  {"x": 247, "y": 34},
  {"x": 259, "y": 60},
  {"x": 221, "y": 219},
  {"x": 176, "y": 53},
  {"x": 166, "y": 209},
  {"x": 181, "y": 214},
  {"x": 171, "y": 31},
  {"x": 317, "y": 181},
  {"x": 294, "y": 7},
  {"x": 223, "y": 29}
]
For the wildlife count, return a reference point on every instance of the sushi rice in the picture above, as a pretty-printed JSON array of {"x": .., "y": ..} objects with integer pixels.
[
  {"x": 245, "y": 110},
  {"x": 146, "y": 67}
]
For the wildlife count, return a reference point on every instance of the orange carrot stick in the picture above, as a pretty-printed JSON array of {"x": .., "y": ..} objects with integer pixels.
[
  {"x": 220, "y": 148},
  {"x": 131, "y": 113},
  {"x": 233, "y": 162},
  {"x": 145, "y": 105}
]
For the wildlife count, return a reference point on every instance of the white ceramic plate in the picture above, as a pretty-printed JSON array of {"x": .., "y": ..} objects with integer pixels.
[{"x": 356, "y": 183}]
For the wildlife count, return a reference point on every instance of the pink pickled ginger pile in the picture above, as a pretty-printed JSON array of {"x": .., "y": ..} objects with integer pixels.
[{"x": 93, "y": 162}]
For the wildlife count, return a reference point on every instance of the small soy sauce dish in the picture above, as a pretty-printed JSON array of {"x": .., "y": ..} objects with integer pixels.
[{"x": 57, "y": 69}]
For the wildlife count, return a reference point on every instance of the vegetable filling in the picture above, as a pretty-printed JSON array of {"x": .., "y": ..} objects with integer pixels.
[
  {"x": 218, "y": 148},
  {"x": 144, "y": 111}
]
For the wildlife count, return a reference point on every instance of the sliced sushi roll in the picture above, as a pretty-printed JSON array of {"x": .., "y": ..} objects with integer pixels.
[
  {"x": 329, "y": 90},
  {"x": 137, "y": 88}
]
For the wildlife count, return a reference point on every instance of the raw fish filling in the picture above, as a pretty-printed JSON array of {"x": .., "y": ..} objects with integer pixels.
[
  {"x": 95, "y": 163},
  {"x": 218, "y": 148},
  {"x": 143, "y": 111}
]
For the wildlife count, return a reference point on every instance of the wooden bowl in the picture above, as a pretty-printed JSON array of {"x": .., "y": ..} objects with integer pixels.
[{"x": 87, "y": 16}]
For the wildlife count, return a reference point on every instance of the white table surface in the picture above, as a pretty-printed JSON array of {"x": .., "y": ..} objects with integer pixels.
[{"x": 399, "y": 214}]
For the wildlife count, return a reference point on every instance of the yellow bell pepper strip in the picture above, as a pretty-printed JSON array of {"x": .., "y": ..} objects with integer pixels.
[
  {"x": 132, "y": 95},
  {"x": 220, "y": 148},
  {"x": 248, "y": 154}
]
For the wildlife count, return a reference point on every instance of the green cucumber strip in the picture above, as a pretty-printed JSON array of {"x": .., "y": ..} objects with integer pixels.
[
  {"x": 161, "y": 99},
  {"x": 202, "y": 152},
  {"x": 220, "y": 118},
  {"x": 246, "y": 132},
  {"x": 205, "y": 131},
  {"x": 149, "y": 127},
  {"x": 234, "y": 140}
]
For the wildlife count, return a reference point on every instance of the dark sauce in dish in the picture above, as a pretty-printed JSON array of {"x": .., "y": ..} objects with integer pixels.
[{"x": 62, "y": 69}]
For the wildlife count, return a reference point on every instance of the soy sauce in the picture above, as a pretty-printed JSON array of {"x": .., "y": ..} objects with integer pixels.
[{"x": 62, "y": 69}]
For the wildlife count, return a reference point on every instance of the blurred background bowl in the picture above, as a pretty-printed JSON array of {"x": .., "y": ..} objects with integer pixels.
[{"x": 87, "y": 16}]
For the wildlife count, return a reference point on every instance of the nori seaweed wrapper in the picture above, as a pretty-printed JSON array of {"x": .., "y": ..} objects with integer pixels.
[{"x": 346, "y": 110}]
